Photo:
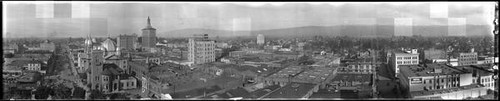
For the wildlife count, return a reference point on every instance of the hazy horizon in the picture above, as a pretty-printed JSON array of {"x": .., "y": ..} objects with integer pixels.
[{"x": 26, "y": 19}]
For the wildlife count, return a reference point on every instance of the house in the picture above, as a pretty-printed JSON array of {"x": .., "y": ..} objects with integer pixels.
[
  {"x": 115, "y": 79},
  {"x": 30, "y": 65}
]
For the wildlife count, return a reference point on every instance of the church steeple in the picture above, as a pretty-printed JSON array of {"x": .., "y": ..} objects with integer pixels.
[
  {"x": 88, "y": 43},
  {"x": 149, "y": 23}
]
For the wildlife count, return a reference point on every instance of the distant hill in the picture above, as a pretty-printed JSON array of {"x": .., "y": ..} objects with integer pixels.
[{"x": 345, "y": 30}]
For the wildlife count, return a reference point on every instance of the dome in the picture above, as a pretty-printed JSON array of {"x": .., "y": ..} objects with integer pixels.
[
  {"x": 88, "y": 41},
  {"x": 109, "y": 45}
]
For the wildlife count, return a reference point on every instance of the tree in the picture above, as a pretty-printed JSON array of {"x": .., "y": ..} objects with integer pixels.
[
  {"x": 61, "y": 92},
  {"x": 95, "y": 94},
  {"x": 43, "y": 92}
]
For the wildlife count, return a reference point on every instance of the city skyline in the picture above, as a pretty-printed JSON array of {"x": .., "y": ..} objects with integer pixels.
[{"x": 115, "y": 18}]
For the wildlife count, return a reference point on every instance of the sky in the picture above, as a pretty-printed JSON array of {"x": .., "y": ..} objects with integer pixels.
[{"x": 77, "y": 19}]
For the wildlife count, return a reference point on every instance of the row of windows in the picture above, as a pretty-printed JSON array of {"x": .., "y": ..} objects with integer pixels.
[
  {"x": 407, "y": 62},
  {"x": 441, "y": 86},
  {"x": 467, "y": 59},
  {"x": 442, "y": 80},
  {"x": 406, "y": 58},
  {"x": 485, "y": 80},
  {"x": 490, "y": 84},
  {"x": 468, "y": 56}
]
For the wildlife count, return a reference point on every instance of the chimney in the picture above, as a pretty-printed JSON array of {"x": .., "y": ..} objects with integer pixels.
[{"x": 472, "y": 50}]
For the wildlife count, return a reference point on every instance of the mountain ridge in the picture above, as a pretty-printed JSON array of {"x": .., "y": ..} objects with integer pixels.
[{"x": 338, "y": 30}]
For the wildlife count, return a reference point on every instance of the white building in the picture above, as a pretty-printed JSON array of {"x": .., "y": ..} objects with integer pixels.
[
  {"x": 260, "y": 39},
  {"x": 201, "y": 49},
  {"x": 402, "y": 58}
]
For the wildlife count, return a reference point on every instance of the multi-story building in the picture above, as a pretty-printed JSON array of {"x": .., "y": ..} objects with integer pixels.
[
  {"x": 118, "y": 60},
  {"x": 403, "y": 58},
  {"x": 29, "y": 65},
  {"x": 438, "y": 80},
  {"x": 359, "y": 85},
  {"x": 95, "y": 68},
  {"x": 358, "y": 68},
  {"x": 260, "y": 39},
  {"x": 480, "y": 75},
  {"x": 148, "y": 36},
  {"x": 485, "y": 60},
  {"x": 115, "y": 79},
  {"x": 201, "y": 49},
  {"x": 467, "y": 58},
  {"x": 126, "y": 42}
]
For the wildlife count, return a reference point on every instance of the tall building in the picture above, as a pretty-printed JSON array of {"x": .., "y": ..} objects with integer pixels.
[
  {"x": 126, "y": 42},
  {"x": 467, "y": 58},
  {"x": 260, "y": 39},
  {"x": 201, "y": 49},
  {"x": 148, "y": 36},
  {"x": 403, "y": 58},
  {"x": 93, "y": 62}
]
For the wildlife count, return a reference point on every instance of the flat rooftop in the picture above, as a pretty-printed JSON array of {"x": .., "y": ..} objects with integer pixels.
[
  {"x": 293, "y": 90},
  {"x": 429, "y": 70},
  {"x": 316, "y": 75},
  {"x": 352, "y": 77},
  {"x": 442, "y": 91},
  {"x": 293, "y": 70},
  {"x": 480, "y": 70}
]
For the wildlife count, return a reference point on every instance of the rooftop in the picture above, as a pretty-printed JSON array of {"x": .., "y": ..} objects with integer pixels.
[
  {"x": 196, "y": 92},
  {"x": 325, "y": 93},
  {"x": 21, "y": 63},
  {"x": 481, "y": 71},
  {"x": 293, "y": 90},
  {"x": 289, "y": 71},
  {"x": 429, "y": 70},
  {"x": 442, "y": 91},
  {"x": 316, "y": 75},
  {"x": 399, "y": 52},
  {"x": 353, "y": 77},
  {"x": 111, "y": 69}
]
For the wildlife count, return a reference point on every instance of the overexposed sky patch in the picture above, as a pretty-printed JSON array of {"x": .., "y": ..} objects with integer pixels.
[{"x": 130, "y": 17}]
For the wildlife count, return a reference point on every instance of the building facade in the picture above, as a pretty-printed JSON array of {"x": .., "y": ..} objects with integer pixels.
[
  {"x": 429, "y": 79},
  {"x": 260, "y": 39},
  {"x": 201, "y": 49},
  {"x": 359, "y": 68},
  {"x": 148, "y": 36},
  {"x": 401, "y": 58},
  {"x": 127, "y": 42},
  {"x": 467, "y": 58}
]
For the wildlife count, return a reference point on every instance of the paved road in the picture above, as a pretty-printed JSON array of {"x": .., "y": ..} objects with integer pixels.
[{"x": 78, "y": 80}]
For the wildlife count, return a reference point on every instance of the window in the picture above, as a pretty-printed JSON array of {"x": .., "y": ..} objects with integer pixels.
[{"x": 398, "y": 58}]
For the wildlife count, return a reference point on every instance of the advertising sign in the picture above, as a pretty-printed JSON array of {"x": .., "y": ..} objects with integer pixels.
[{"x": 416, "y": 80}]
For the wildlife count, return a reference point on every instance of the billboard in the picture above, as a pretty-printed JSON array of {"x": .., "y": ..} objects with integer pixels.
[{"x": 416, "y": 80}]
